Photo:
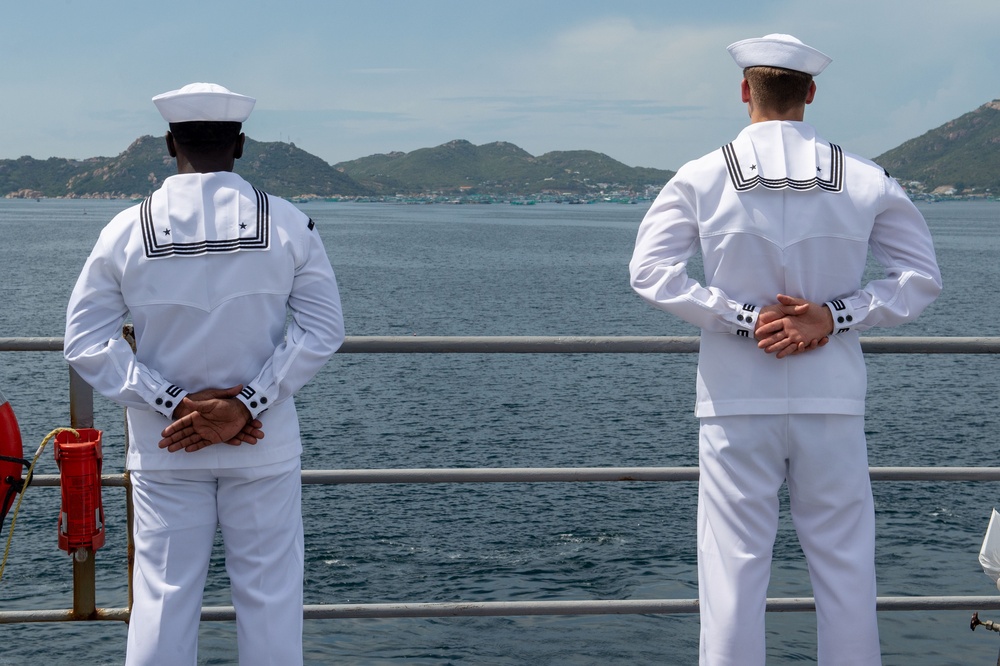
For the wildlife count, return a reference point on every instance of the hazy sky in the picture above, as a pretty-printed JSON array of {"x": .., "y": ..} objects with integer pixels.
[{"x": 648, "y": 82}]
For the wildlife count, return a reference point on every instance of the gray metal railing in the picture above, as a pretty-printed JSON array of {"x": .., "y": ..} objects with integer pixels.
[
  {"x": 81, "y": 401},
  {"x": 558, "y": 344}
]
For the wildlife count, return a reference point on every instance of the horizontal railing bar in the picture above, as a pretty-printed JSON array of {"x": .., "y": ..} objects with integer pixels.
[
  {"x": 519, "y": 344},
  {"x": 523, "y": 608},
  {"x": 621, "y": 607},
  {"x": 591, "y": 474},
  {"x": 633, "y": 344},
  {"x": 500, "y": 475},
  {"x": 65, "y": 615},
  {"x": 401, "y": 344},
  {"x": 562, "y": 474},
  {"x": 927, "y": 345},
  {"x": 31, "y": 344},
  {"x": 934, "y": 473},
  {"x": 107, "y": 480}
]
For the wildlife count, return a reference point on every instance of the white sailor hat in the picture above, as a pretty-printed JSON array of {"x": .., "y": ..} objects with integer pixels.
[
  {"x": 778, "y": 50},
  {"x": 203, "y": 101}
]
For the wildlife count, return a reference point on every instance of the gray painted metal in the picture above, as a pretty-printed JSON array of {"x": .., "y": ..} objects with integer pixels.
[
  {"x": 562, "y": 475},
  {"x": 81, "y": 401},
  {"x": 523, "y": 608},
  {"x": 31, "y": 344},
  {"x": 399, "y": 344}
]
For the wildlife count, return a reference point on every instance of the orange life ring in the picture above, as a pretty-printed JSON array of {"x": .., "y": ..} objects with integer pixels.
[{"x": 11, "y": 457}]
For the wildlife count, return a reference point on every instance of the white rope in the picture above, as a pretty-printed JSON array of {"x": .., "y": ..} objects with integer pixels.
[{"x": 27, "y": 479}]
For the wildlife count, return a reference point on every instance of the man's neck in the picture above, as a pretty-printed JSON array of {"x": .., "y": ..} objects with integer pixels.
[
  {"x": 765, "y": 115},
  {"x": 198, "y": 166}
]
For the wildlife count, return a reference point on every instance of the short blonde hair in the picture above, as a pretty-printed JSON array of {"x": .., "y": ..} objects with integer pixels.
[{"x": 777, "y": 89}]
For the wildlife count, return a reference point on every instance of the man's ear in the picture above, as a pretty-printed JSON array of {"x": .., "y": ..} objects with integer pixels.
[
  {"x": 745, "y": 91},
  {"x": 238, "y": 151},
  {"x": 171, "y": 148},
  {"x": 812, "y": 92}
]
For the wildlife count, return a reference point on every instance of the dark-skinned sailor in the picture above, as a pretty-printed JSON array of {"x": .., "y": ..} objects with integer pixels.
[{"x": 208, "y": 268}]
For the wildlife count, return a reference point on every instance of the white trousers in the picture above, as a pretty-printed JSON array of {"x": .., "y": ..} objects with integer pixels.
[
  {"x": 743, "y": 461},
  {"x": 176, "y": 515}
]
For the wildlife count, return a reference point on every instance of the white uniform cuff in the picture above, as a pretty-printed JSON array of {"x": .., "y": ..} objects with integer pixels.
[
  {"x": 843, "y": 315},
  {"x": 255, "y": 400},
  {"x": 746, "y": 321},
  {"x": 167, "y": 399}
]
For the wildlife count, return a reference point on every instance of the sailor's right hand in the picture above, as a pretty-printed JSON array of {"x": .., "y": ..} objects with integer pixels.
[
  {"x": 793, "y": 326},
  {"x": 210, "y": 417}
]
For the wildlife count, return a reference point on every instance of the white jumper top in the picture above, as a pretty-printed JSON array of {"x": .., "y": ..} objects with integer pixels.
[
  {"x": 225, "y": 285},
  {"x": 780, "y": 210}
]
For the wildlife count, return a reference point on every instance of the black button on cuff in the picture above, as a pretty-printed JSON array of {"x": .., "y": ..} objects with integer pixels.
[
  {"x": 843, "y": 315},
  {"x": 744, "y": 324},
  {"x": 166, "y": 399}
]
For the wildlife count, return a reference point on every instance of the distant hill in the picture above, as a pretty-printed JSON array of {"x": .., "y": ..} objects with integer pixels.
[
  {"x": 497, "y": 168},
  {"x": 48, "y": 178},
  {"x": 275, "y": 167},
  {"x": 136, "y": 172},
  {"x": 961, "y": 156},
  {"x": 285, "y": 170}
]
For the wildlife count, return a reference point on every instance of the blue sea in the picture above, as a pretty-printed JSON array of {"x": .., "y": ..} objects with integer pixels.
[{"x": 550, "y": 269}]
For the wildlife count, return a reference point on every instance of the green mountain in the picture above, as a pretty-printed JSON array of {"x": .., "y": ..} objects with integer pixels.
[
  {"x": 278, "y": 168},
  {"x": 497, "y": 168},
  {"x": 29, "y": 177},
  {"x": 286, "y": 171},
  {"x": 961, "y": 156},
  {"x": 135, "y": 173}
]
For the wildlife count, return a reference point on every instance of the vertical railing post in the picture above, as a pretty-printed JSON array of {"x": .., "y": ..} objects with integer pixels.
[
  {"x": 81, "y": 401},
  {"x": 81, "y": 413},
  {"x": 129, "y": 518},
  {"x": 128, "y": 333}
]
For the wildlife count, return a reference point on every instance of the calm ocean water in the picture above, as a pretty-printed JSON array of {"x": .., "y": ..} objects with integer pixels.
[{"x": 506, "y": 270}]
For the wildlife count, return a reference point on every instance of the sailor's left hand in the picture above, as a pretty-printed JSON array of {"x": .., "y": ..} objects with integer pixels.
[
  {"x": 793, "y": 326},
  {"x": 210, "y": 417}
]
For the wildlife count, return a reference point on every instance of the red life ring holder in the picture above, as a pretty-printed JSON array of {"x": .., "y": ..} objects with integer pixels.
[{"x": 11, "y": 457}]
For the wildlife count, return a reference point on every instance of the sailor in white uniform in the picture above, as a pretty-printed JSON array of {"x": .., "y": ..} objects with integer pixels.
[
  {"x": 235, "y": 307},
  {"x": 781, "y": 379}
]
